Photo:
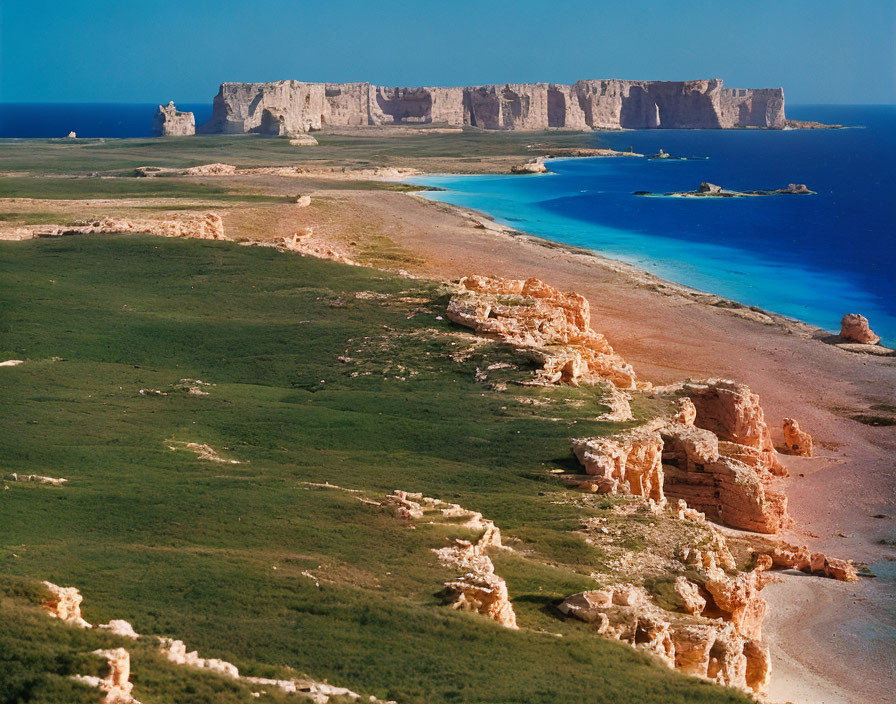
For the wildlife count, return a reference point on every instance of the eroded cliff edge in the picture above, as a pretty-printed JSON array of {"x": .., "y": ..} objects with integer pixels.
[{"x": 291, "y": 107}]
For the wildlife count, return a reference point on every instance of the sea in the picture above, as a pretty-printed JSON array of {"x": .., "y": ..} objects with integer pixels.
[{"x": 810, "y": 257}]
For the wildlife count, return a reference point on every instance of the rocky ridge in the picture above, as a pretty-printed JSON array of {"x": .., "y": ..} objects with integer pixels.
[
  {"x": 478, "y": 589},
  {"x": 65, "y": 604},
  {"x": 207, "y": 226}
]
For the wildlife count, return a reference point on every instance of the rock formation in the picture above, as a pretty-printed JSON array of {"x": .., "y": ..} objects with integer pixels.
[
  {"x": 555, "y": 326},
  {"x": 176, "y": 652},
  {"x": 303, "y": 140},
  {"x": 717, "y": 638},
  {"x": 815, "y": 563},
  {"x": 719, "y": 460},
  {"x": 855, "y": 327},
  {"x": 116, "y": 684},
  {"x": 306, "y": 244},
  {"x": 65, "y": 604},
  {"x": 12, "y": 362},
  {"x": 208, "y": 226},
  {"x": 478, "y": 589},
  {"x": 37, "y": 478},
  {"x": 71, "y": 135},
  {"x": 798, "y": 441},
  {"x": 293, "y": 107},
  {"x": 711, "y": 190},
  {"x": 171, "y": 122}
]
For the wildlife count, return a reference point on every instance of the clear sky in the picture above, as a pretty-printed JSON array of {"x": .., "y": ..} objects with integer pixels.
[{"x": 820, "y": 51}]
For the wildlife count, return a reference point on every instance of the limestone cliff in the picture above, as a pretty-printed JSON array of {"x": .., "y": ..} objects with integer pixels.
[
  {"x": 171, "y": 122},
  {"x": 291, "y": 107}
]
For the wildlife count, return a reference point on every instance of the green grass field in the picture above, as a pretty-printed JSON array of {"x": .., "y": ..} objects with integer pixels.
[
  {"x": 121, "y": 156},
  {"x": 214, "y": 553}
]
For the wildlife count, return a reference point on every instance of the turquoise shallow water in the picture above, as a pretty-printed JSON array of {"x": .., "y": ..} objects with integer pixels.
[{"x": 813, "y": 258}]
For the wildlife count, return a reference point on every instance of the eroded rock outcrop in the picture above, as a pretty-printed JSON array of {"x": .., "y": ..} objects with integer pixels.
[
  {"x": 65, "y": 604},
  {"x": 207, "y": 226},
  {"x": 171, "y": 122},
  {"x": 292, "y": 107},
  {"x": 555, "y": 326},
  {"x": 478, "y": 588},
  {"x": 628, "y": 462},
  {"x": 734, "y": 413},
  {"x": 815, "y": 563},
  {"x": 306, "y": 244},
  {"x": 713, "y": 647},
  {"x": 116, "y": 684},
  {"x": 855, "y": 327},
  {"x": 36, "y": 478},
  {"x": 797, "y": 440},
  {"x": 663, "y": 459}
]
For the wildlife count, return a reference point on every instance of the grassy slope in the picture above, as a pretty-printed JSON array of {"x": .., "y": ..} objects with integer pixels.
[{"x": 188, "y": 548}]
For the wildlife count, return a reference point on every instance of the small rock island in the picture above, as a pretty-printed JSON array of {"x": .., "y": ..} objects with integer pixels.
[{"x": 711, "y": 190}]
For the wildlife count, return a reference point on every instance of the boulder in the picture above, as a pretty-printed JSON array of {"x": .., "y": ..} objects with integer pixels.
[
  {"x": 171, "y": 122},
  {"x": 797, "y": 440},
  {"x": 303, "y": 140},
  {"x": 855, "y": 327}
]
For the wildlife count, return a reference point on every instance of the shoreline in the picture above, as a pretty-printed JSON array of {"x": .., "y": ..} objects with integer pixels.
[{"x": 646, "y": 279}]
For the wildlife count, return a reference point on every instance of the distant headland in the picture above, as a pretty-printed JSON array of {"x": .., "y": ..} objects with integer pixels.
[{"x": 294, "y": 107}]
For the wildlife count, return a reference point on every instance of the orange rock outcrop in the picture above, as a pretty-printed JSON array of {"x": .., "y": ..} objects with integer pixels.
[
  {"x": 855, "y": 328},
  {"x": 478, "y": 588},
  {"x": 798, "y": 441},
  {"x": 726, "y": 480},
  {"x": 553, "y": 324},
  {"x": 815, "y": 563},
  {"x": 709, "y": 647}
]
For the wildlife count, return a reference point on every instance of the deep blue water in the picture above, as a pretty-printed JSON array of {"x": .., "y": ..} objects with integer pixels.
[
  {"x": 809, "y": 257},
  {"x": 39, "y": 120}
]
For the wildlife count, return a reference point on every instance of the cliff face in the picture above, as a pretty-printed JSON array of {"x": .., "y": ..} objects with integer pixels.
[
  {"x": 290, "y": 107},
  {"x": 171, "y": 122}
]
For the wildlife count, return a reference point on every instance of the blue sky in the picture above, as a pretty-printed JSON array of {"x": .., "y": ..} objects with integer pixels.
[{"x": 820, "y": 51}]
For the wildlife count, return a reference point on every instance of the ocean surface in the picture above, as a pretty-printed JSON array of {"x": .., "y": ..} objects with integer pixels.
[
  {"x": 812, "y": 257},
  {"x": 47, "y": 120}
]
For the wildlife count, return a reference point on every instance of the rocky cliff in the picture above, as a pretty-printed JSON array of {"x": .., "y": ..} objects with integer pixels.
[
  {"x": 171, "y": 122},
  {"x": 290, "y": 107}
]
